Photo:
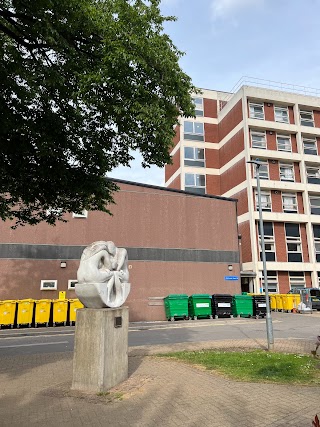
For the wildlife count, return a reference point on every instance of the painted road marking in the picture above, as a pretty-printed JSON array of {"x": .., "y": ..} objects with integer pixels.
[{"x": 30, "y": 345}]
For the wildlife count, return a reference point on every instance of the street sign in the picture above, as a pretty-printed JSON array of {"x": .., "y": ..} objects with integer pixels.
[{"x": 231, "y": 277}]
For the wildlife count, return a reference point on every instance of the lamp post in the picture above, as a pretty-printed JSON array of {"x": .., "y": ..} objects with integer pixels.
[{"x": 270, "y": 338}]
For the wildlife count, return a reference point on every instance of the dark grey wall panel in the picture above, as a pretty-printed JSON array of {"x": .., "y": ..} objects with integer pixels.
[{"x": 56, "y": 252}]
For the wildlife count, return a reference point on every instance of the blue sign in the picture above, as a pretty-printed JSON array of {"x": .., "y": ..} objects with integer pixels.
[{"x": 231, "y": 277}]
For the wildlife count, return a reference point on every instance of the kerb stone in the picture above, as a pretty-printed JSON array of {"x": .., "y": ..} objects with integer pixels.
[{"x": 100, "y": 359}]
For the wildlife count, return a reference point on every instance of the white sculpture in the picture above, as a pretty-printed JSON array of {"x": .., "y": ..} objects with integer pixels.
[{"x": 103, "y": 276}]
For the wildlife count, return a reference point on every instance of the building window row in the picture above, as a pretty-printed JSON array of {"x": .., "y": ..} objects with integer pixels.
[
  {"x": 297, "y": 281},
  {"x": 194, "y": 156},
  {"x": 195, "y": 183},
  {"x": 281, "y": 114},
  {"x": 289, "y": 202}
]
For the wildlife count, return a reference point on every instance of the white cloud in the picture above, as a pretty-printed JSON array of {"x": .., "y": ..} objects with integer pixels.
[{"x": 225, "y": 8}]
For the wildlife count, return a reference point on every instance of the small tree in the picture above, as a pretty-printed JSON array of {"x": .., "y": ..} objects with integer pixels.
[{"x": 82, "y": 82}]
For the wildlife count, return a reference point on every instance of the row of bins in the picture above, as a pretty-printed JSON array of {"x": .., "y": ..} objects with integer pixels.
[
  {"x": 197, "y": 306},
  {"x": 30, "y": 312},
  {"x": 284, "y": 302}
]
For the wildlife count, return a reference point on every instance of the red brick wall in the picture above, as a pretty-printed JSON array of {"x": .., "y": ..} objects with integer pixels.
[
  {"x": 176, "y": 183},
  {"x": 294, "y": 143},
  {"x": 244, "y": 230},
  {"x": 318, "y": 145},
  {"x": 274, "y": 170},
  {"x": 210, "y": 108},
  {"x": 171, "y": 169},
  {"x": 303, "y": 234},
  {"x": 297, "y": 177},
  {"x": 268, "y": 112},
  {"x": 176, "y": 138},
  {"x": 316, "y": 115},
  {"x": 211, "y": 132},
  {"x": 291, "y": 115},
  {"x": 233, "y": 176},
  {"x": 276, "y": 200},
  {"x": 231, "y": 120},
  {"x": 212, "y": 158},
  {"x": 271, "y": 141},
  {"x": 300, "y": 203},
  {"x": 283, "y": 279},
  {"x": 308, "y": 279},
  {"x": 213, "y": 185},
  {"x": 280, "y": 239},
  {"x": 242, "y": 197},
  {"x": 232, "y": 148}
]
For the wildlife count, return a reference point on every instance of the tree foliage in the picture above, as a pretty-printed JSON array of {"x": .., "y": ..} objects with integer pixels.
[{"x": 82, "y": 83}]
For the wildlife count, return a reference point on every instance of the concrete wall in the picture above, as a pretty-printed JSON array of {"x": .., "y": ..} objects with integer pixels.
[{"x": 177, "y": 243}]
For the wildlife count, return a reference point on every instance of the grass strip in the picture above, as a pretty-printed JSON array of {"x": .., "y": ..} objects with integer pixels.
[{"x": 256, "y": 366}]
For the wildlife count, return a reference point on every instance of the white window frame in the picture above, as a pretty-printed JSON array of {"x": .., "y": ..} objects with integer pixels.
[
  {"x": 279, "y": 118},
  {"x": 307, "y": 120},
  {"x": 256, "y": 144},
  {"x": 294, "y": 206},
  {"x": 309, "y": 141},
  {"x": 84, "y": 214},
  {"x": 195, "y": 180},
  {"x": 268, "y": 240},
  {"x": 71, "y": 282},
  {"x": 313, "y": 172},
  {"x": 311, "y": 198},
  {"x": 282, "y": 175},
  {"x": 193, "y": 159},
  {"x": 252, "y": 113},
  {"x": 296, "y": 241},
  {"x": 199, "y": 110},
  {"x": 44, "y": 288},
  {"x": 265, "y": 173},
  {"x": 266, "y": 201},
  {"x": 283, "y": 148},
  {"x": 299, "y": 281},
  {"x": 199, "y": 135},
  {"x": 273, "y": 283}
]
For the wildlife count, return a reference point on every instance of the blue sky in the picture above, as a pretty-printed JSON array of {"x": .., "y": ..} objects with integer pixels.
[{"x": 224, "y": 40}]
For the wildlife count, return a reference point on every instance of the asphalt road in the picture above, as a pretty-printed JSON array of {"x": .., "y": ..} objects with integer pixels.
[{"x": 61, "y": 339}]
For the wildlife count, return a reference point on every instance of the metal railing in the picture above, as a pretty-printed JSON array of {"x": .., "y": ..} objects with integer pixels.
[{"x": 267, "y": 84}]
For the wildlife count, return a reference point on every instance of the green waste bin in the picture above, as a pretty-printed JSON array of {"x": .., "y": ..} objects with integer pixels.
[
  {"x": 200, "y": 306},
  {"x": 176, "y": 306},
  {"x": 242, "y": 305}
]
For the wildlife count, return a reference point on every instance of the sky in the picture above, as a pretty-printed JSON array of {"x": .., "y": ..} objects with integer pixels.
[{"x": 225, "y": 40}]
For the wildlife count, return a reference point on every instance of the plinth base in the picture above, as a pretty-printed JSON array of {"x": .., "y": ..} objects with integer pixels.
[{"x": 100, "y": 359}]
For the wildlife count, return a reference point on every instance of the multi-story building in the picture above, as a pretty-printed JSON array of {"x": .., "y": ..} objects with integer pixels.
[{"x": 282, "y": 129}]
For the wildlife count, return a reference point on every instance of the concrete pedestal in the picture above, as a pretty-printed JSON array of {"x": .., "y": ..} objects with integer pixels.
[{"x": 100, "y": 358}]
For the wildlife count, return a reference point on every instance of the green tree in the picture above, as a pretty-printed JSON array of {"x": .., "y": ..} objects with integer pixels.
[{"x": 82, "y": 83}]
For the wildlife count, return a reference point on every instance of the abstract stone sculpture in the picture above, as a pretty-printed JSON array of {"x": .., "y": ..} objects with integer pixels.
[{"x": 103, "y": 276}]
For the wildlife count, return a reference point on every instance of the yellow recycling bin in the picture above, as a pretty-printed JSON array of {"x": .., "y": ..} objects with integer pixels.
[
  {"x": 25, "y": 312},
  {"x": 42, "y": 312},
  {"x": 279, "y": 302},
  {"x": 7, "y": 312},
  {"x": 296, "y": 302},
  {"x": 60, "y": 311},
  {"x": 288, "y": 302},
  {"x": 74, "y": 305},
  {"x": 273, "y": 302}
]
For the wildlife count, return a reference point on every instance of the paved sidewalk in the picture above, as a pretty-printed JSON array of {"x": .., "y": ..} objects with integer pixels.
[{"x": 35, "y": 391}]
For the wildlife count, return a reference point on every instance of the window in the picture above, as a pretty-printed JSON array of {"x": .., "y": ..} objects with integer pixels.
[
  {"x": 198, "y": 103},
  {"x": 293, "y": 241},
  {"x": 258, "y": 139},
  {"x": 316, "y": 235},
  {"x": 256, "y": 111},
  {"x": 194, "y": 131},
  {"x": 265, "y": 201},
  {"x": 281, "y": 114},
  {"x": 269, "y": 243},
  {"x": 283, "y": 143},
  {"x": 313, "y": 174},
  {"x": 289, "y": 202},
  {"x": 49, "y": 285},
  {"x": 297, "y": 281},
  {"x": 306, "y": 118},
  {"x": 195, "y": 183},
  {"x": 310, "y": 146},
  {"x": 72, "y": 284},
  {"x": 194, "y": 156},
  {"x": 83, "y": 214},
  {"x": 286, "y": 172},
  {"x": 272, "y": 278},
  {"x": 263, "y": 170},
  {"x": 315, "y": 205}
]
